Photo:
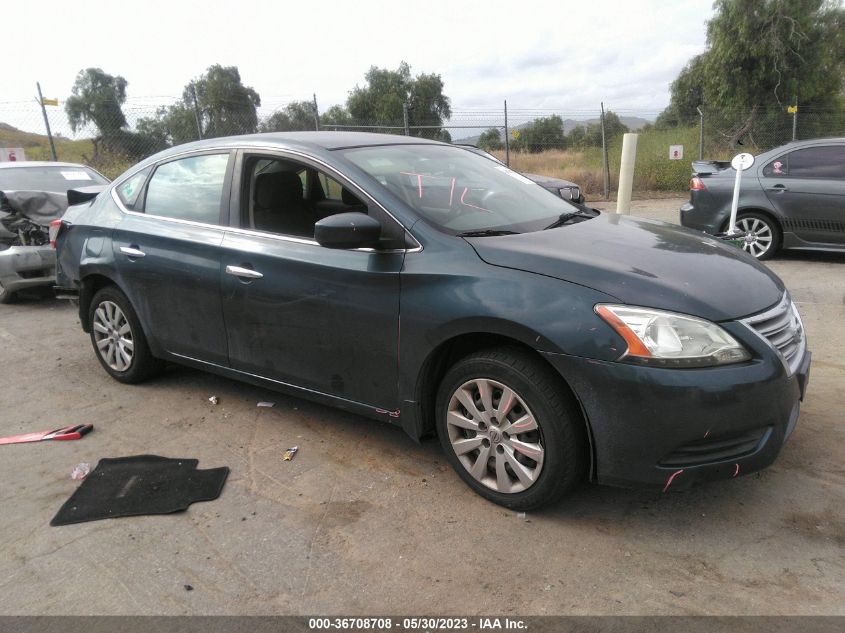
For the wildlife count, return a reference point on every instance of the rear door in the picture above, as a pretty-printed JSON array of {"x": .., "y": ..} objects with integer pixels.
[
  {"x": 296, "y": 312},
  {"x": 807, "y": 188},
  {"x": 168, "y": 250}
]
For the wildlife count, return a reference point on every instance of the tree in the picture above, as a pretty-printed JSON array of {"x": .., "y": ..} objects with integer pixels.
[
  {"x": 296, "y": 116},
  {"x": 490, "y": 139},
  {"x": 590, "y": 135},
  {"x": 226, "y": 106},
  {"x": 380, "y": 101},
  {"x": 336, "y": 115},
  {"x": 759, "y": 54},
  {"x": 541, "y": 134},
  {"x": 97, "y": 98}
]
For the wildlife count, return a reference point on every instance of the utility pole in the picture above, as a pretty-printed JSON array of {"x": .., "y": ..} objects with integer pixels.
[
  {"x": 197, "y": 110},
  {"x": 507, "y": 138},
  {"x": 605, "y": 166},
  {"x": 46, "y": 122},
  {"x": 316, "y": 114},
  {"x": 405, "y": 117},
  {"x": 795, "y": 117}
]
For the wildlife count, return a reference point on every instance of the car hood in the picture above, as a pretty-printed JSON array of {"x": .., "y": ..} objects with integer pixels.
[
  {"x": 548, "y": 181},
  {"x": 643, "y": 262}
]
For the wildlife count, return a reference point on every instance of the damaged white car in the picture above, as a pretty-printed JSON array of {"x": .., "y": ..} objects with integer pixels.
[{"x": 33, "y": 194}]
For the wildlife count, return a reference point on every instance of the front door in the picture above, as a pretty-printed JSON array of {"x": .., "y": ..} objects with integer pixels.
[{"x": 322, "y": 319}]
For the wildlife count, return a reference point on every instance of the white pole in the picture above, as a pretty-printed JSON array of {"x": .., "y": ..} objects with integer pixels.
[
  {"x": 740, "y": 163},
  {"x": 626, "y": 173}
]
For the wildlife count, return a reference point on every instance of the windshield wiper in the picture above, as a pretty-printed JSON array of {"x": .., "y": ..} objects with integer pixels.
[
  {"x": 486, "y": 233},
  {"x": 567, "y": 216}
]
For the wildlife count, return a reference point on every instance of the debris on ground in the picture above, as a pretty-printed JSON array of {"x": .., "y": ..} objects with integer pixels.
[
  {"x": 214, "y": 399},
  {"x": 188, "y": 588},
  {"x": 288, "y": 454},
  {"x": 268, "y": 405},
  {"x": 520, "y": 516},
  {"x": 80, "y": 471},
  {"x": 73, "y": 432}
]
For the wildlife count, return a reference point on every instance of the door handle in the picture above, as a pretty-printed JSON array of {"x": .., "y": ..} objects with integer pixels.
[
  {"x": 246, "y": 273},
  {"x": 778, "y": 188},
  {"x": 132, "y": 251}
]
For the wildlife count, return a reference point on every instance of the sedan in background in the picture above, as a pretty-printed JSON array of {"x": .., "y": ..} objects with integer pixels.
[
  {"x": 33, "y": 194},
  {"x": 419, "y": 284},
  {"x": 562, "y": 188},
  {"x": 792, "y": 197}
]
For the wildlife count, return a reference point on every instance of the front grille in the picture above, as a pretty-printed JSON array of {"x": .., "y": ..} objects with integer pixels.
[
  {"x": 782, "y": 328},
  {"x": 716, "y": 449}
]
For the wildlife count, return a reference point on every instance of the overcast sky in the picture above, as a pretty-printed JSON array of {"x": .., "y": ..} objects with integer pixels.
[{"x": 565, "y": 55}]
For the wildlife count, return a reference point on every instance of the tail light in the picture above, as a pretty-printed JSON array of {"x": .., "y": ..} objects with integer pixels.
[
  {"x": 55, "y": 229},
  {"x": 696, "y": 184}
]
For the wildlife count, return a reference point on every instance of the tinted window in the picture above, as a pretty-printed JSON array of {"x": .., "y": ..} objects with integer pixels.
[
  {"x": 818, "y": 162},
  {"x": 188, "y": 189},
  {"x": 58, "y": 179},
  {"x": 130, "y": 190}
]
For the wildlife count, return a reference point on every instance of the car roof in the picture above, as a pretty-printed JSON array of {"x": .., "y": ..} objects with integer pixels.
[
  {"x": 316, "y": 140},
  {"x": 39, "y": 163}
]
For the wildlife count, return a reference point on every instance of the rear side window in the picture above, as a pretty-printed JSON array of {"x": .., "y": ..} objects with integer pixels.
[
  {"x": 130, "y": 190},
  {"x": 188, "y": 188},
  {"x": 818, "y": 162},
  {"x": 778, "y": 167}
]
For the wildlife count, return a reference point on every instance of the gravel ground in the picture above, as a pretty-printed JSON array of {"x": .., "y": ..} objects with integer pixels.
[{"x": 365, "y": 521}]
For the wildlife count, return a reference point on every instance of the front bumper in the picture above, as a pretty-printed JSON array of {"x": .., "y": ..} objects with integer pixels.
[
  {"x": 661, "y": 428},
  {"x": 27, "y": 266}
]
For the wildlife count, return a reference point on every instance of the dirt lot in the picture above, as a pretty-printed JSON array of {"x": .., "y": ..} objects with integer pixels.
[{"x": 365, "y": 521}]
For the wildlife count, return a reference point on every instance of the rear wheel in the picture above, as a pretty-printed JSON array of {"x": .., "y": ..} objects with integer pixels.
[
  {"x": 118, "y": 339},
  {"x": 760, "y": 234},
  {"x": 6, "y": 296},
  {"x": 509, "y": 430}
]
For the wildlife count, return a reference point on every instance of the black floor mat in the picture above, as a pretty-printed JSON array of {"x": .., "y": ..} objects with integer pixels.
[{"x": 142, "y": 484}]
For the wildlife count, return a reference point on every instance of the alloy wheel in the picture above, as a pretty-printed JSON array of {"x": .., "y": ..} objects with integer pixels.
[
  {"x": 756, "y": 235},
  {"x": 113, "y": 336},
  {"x": 495, "y": 436}
]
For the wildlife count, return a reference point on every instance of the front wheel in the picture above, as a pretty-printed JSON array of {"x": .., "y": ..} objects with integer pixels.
[
  {"x": 509, "y": 430},
  {"x": 118, "y": 339}
]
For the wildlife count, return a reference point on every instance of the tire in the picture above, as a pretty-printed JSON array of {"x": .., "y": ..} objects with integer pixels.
[
  {"x": 118, "y": 340},
  {"x": 6, "y": 297},
  {"x": 509, "y": 477},
  {"x": 762, "y": 234}
]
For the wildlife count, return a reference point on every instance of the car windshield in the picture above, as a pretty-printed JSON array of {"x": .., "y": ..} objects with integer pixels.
[
  {"x": 459, "y": 191},
  {"x": 56, "y": 179}
]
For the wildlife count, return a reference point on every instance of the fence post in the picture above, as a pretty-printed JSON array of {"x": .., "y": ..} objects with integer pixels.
[
  {"x": 197, "y": 111},
  {"x": 604, "y": 165},
  {"x": 795, "y": 118},
  {"x": 316, "y": 114},
  {"x": 700, "y": 133},
  {"x": 46, "y": 122},
  {"x": 507, "y": 138},
  {"x": 405, "y": 117}
]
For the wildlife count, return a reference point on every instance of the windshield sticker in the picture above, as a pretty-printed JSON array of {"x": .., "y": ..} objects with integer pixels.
[
  {"x": 514, "y": 174},
  {"x": 75, "y": 175}
]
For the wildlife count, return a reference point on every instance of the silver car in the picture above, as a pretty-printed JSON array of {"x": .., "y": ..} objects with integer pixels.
[{"x": 32, "y": 194}]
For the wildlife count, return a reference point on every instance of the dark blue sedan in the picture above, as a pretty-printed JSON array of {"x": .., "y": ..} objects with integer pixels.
[{"x": 418, "y": 283}]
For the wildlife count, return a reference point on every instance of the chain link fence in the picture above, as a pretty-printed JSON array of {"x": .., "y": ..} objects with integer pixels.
[{"x": 562, "y": 144}]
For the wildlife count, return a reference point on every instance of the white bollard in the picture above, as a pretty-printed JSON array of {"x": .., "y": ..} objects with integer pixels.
[{"x": 626, "y": 173}]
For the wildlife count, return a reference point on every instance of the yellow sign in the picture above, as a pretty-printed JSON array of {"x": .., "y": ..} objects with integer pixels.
[
  {"x": 515, "y": 134},
  {"x": 792, "y": 109},
  {"x": 47, "y": 101}
]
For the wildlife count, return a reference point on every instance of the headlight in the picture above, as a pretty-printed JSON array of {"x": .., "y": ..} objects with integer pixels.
[{"x": 666, "y": 339}]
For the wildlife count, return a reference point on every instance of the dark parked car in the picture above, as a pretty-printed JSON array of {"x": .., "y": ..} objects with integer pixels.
[
  {"x": 562, "y": 188},
  {"x": 32, "y": 194},
  {"x": 792, "y": 197},
  {"x": 417, "y": 283}
]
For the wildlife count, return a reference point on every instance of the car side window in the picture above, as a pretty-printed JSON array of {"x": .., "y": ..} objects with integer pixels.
[
  {"x": 288, "y": 198},
  {"x": 188, "y": 188},
  {"x": 826, "y": 161},
  {"x": 129, "y": 191},
  {"x": 778, "y": 167}
]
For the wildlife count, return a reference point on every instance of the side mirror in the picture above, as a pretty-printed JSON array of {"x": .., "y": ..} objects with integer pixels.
[{"x": 347, "y": 230}]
